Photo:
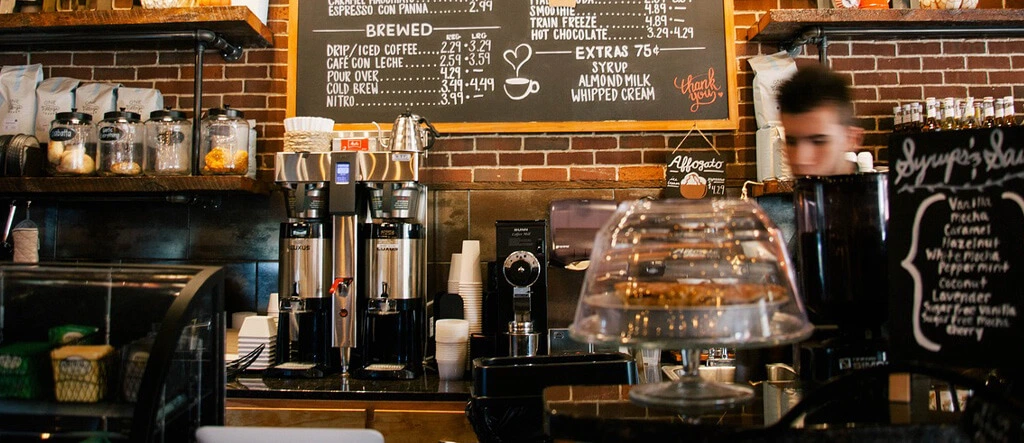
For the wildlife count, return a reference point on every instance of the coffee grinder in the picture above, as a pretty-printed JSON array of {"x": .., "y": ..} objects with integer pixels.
[
  {"x": 316, "y": 266},
  {"x": 516, "y": 315}
]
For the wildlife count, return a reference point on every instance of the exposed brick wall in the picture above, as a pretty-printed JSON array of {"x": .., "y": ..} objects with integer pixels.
[{"x": 883, "y": 73}]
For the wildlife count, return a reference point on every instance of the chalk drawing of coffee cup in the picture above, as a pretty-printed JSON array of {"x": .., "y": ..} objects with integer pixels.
[{"x": 518, "y": 88}]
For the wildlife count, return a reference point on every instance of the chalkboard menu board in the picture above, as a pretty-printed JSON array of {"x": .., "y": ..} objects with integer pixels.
[
  {"x": 515, "y": 65},
  {"x": 956, "y": 246}
]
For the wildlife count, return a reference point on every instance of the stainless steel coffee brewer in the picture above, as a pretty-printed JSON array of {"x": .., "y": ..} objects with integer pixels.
[
  {"x": 316, "y": 266},
  {"x": 352, "y": 264}
]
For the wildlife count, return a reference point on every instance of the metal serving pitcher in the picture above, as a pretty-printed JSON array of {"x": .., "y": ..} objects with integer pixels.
[{"x": 408, "y": 135}]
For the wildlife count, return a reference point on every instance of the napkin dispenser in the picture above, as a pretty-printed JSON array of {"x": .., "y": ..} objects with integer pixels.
[{"x": 574, "y": 224}]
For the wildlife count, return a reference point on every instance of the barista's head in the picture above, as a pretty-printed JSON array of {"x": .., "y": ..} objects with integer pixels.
[{"x": 817, "y": 114}]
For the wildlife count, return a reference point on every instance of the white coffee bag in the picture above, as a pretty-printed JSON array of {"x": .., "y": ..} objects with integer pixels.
[
  {"x": 96, "y": 99},
  {"x": 141, "y": 101},
  {"x": 18, "y": 89},
  {"x": 53, "y": 95},
  {"x": 769, "y": 73}
]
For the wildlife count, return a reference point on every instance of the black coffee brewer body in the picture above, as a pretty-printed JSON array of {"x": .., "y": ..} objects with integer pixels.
[
  {"x": 516, "y": 313},
  {"x": 841, "y": 224}
]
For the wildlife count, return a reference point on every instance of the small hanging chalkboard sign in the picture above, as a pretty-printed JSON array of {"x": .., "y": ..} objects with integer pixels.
[{"x": 695, "y": 175}]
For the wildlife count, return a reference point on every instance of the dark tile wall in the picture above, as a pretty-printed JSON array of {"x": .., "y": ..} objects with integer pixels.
[{"x": 240, "y": 233}]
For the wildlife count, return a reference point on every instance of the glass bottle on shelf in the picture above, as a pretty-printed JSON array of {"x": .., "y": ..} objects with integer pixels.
[
  {"x": 988, "y": 117},
  {"x": 949, "y": 115},
  {"x": 1009, "y": 115},
  {"x": 999, "y": 112},
  {"x": 916, "y": 120},
  {"x": 908, "y": 117},
  {"x": 931, "y": 120},
  {"x": 969, "y": 119},
  {"x": 897, "y": 119}
]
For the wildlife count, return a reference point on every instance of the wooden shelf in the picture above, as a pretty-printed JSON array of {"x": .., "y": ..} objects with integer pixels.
[
  {"x": 236, "y": 24},
  {"x": 131, "y": 185},
  {"x": 788, "y": 24}
]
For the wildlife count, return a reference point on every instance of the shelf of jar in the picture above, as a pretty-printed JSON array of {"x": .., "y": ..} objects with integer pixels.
[
  {"x": 132, "y": 185},
  {"x": 237, "y": 24},
  {"x": 786, "y": 24}
]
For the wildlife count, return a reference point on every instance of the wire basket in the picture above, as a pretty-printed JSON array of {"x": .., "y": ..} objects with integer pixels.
[
  {"x": 23, "y": 370},
  {"x": 83, "y": 379}
]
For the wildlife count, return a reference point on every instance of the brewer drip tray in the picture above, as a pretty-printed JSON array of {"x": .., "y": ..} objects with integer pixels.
[
  {"x": 384, "y": 367},
  {"x": 297, "y": 370}
]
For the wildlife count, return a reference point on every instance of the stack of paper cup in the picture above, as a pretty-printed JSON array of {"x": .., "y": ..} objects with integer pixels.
[
  {"x": 471, "y": 286},
  {"x": 453, "y": 273},
  {"x": 452, "y": 336}
]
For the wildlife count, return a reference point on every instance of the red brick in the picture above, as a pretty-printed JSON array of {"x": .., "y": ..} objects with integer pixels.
[
  {"x": 747, "y": 124},
  {"x": 474, "y": 159},
  {"x": 222, "y": 86},
  {"x": 277, "y": 101},
  {"x": 845, "y": 64},
  {"x": 453, "y": 144},
  {"x": 943, "y": 63},
  {"x": 52, "y": 58},
  {"x": 902, "y": 93},
  {"x": 734, "y": 140},
  {"x": 135, "y": 58},
  {"x": 13, "y": 59},
  {"x": 595, "y": 173},
  {"x": 546, "y": 143},
  {"x": 495, "y": 175},
  {"x": 659, "y": 157},
  {"x": 992, "y": 62},
  {"x": 436, "y": 160},
  {"x": 733, "y": 171},
  {"x": 1004, "y": 47},
  {"x": 955, "y": 47},
  {"x": 692, "y": 141},
  {"x": 446, "y": 175},
  {"x": 265, "y": 86},
  {"x": 899, "y": 63},
  {"x": 975, "y": 77},
  {"x": 245, "y": 71},
  {"x": 278, "y": 71},
  {"x": 919, "y": 48},
  {"x": 93, "y": 58},
  {"x": 835, "y": 49},
  {"x": 920, "y": 78},
  {"x": 940, "y": 91},
  {"x": 628, "y": 173},
  {"x": 520, "y": 158},
  {"x": 744, "y": 21},
  {"x": 1018, "y": 60},
  {"x": 875, "y": 78},
  {"x": 878, "y": 49},
  {"x": 1005, "y": 77},
  {"x": 618, "y": 157},
  {"x": 266, "y": 56},
  {"x": 864, "y": 93},
  {"x": 798, "y": 4},
  {"x": 992, "y": 91},
  {"x": 158, "y": 72},
  {"x": 641, "y": 142},
  {"x": 747, "y": 48},
  {"x": 499, "y": 144},
  {"x": 872, "y": 108},
  {"x": 80, "y": 73},
  {"x": 545, "y": 174},
  {"x": 570, "y": 158},
  {"x": 246, "y": 101},
  {"x": 113, "y": 74},
  {"x": 594, "y": 143}
]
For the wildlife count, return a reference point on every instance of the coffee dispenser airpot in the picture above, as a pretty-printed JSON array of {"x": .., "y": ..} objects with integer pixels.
[{"x": 352, "y": 264}]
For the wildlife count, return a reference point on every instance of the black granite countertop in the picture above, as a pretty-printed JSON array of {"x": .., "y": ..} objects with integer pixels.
[{"x": 344, "y": 387}]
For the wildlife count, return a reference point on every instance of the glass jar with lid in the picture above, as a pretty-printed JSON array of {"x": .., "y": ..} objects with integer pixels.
[
  {"x": 71, "y": 150},
  {"x": 225, "y": 142},
  {"x": 119, "y": 147},
  {"x": 168, "y": 143}
]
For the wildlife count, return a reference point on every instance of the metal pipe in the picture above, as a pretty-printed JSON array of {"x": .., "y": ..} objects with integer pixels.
[
  {"x": 227, "y": 50},
  {"x": 197, "y": 106},
  {"x": 823, "y": 50}
]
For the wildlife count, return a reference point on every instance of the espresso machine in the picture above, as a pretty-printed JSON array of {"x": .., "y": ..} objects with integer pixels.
[{"x": 352, "y": 264}]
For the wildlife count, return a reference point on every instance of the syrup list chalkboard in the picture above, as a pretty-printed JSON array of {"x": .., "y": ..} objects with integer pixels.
[
  {"x": 956, "y": 246},
  {"x": 515, "y": 66}
]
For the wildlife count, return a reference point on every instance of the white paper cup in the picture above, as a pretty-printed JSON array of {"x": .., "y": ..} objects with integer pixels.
[
  {"x": 454, "y": 272},
  {"x": 469, "y": 266},
  {"x": 451, "y": 369},
  {"x": 451, "y": 330}
]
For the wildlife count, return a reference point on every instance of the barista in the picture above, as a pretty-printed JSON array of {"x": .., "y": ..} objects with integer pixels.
[{"x": 817, "y": 114}]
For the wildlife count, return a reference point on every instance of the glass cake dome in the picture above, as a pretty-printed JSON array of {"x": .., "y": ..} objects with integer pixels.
[{"x": 690, "y": 275}]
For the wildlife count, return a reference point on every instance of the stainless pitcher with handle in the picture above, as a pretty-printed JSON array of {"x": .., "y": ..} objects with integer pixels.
[{"x": 408, "y": 135}]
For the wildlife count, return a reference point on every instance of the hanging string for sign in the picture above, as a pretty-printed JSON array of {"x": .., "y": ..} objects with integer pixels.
[{"x": 705, "y": 137}]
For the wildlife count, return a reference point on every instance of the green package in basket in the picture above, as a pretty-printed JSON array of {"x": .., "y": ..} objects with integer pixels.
[
  {"x": 24, "y": 370},
  {"x": 72, "y": 335}
]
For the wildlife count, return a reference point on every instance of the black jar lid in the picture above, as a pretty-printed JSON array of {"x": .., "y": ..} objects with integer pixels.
[
  {"x": 166, "y": 115},
  {"x": 123, "y": 116},
  {"x": 73, "y": 117},
  {"x": 227, "y": 112}
]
